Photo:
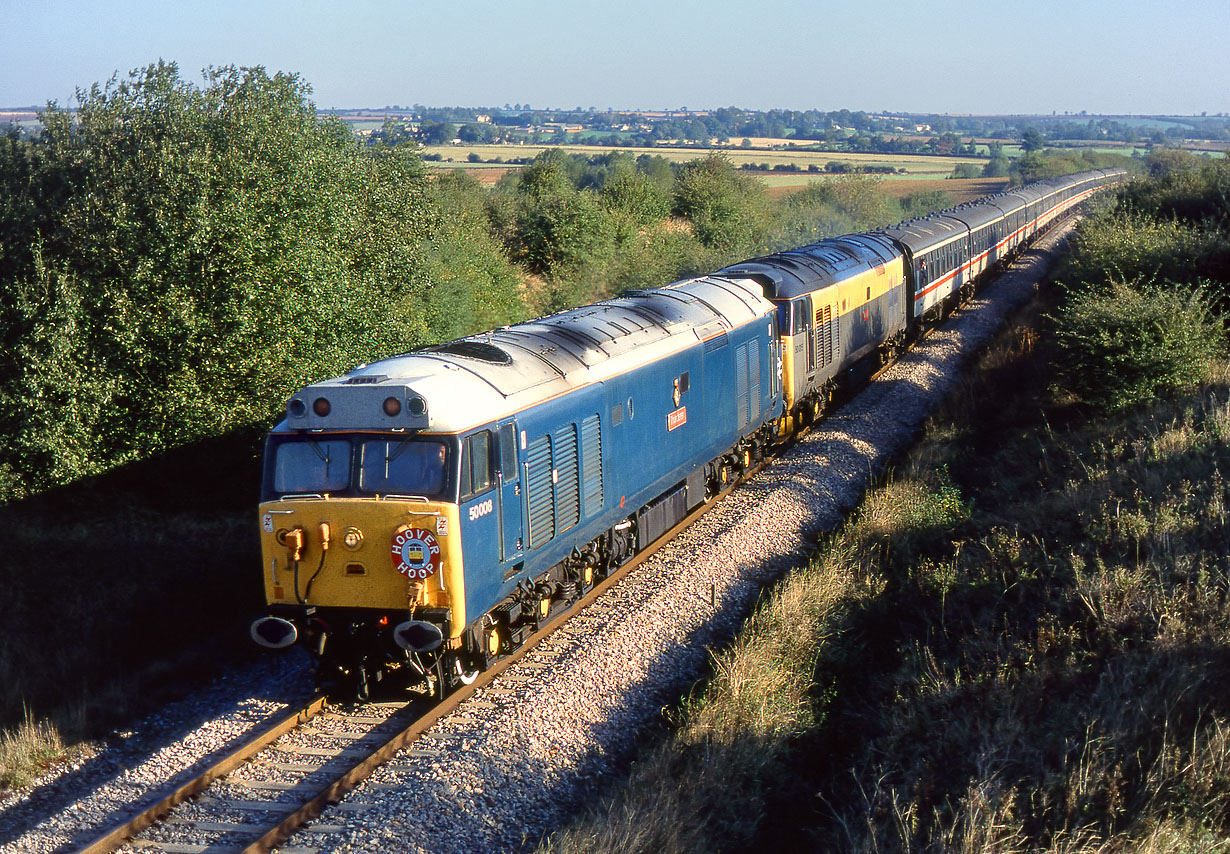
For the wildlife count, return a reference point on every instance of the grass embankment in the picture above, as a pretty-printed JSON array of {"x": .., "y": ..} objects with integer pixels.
[
  {"x": 121, "y": 591},
  {"x": 1018, "y": 642}
]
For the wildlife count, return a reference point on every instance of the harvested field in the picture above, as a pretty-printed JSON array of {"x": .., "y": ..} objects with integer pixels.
[
  {"x": 959, "y": 189},
  {"x": 801, "y": 158}
]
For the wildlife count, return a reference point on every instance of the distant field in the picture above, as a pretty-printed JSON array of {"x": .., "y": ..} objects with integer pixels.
[
  {"x": 783, "y": 183},
  {"x": 958, "y": 189},
  {"x": 911, "y": 163}
]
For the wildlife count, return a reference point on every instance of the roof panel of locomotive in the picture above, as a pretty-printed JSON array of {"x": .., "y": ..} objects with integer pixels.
[
  {"x": 484, "y": 377},
  {"x": 796, "y": 272}
]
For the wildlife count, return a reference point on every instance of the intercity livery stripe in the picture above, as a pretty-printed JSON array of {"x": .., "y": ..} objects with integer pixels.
[{"x": 969, "y": 266}]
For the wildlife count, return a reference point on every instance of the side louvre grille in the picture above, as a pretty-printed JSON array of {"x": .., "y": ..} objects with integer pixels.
[
  {"x": 567, "y": 489},
  {"x": 741, "y": 384},
  {"x": 541, "y": 498},
  {"x": 591, "y": 455},
  {"x": 753, "y": 380},
  {"x": 824, "y": 335}
]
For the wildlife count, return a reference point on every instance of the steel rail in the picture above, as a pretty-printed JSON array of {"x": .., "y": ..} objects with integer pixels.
[
  {"x": 348, "y": 780},
  {"x": 154, "y": 814}
]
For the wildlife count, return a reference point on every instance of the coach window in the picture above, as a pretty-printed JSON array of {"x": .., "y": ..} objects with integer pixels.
[{"x": 476, "y": 465}]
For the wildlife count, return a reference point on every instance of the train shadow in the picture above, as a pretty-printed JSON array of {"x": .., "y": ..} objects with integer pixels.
[{"x": 125, "y": 592}]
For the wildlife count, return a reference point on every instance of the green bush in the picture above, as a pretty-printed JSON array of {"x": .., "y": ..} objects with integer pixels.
[
  {"x": 1132, "y": 246},
  {"x": 175, "y": 260},
  {"x": 1184, "y": 187},
  {"x": 725, "y": 206},
  {"x": 1124, "y": 344}
]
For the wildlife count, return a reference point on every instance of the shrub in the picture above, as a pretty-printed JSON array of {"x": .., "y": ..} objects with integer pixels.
[
  {"x": 725, "y": 207},
  {"x": 1135, "y": 247},
  {"x": 1123, "y": 344}
]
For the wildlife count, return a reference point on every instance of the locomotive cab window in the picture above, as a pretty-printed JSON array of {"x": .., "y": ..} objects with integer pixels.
[
  {"x": 403, "y": 467},
  {"x": 475, "y": 464},
  {"x": 312, "y": 466}
]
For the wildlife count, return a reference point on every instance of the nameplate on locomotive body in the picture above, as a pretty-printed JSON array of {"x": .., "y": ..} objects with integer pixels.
[{"x": 677, "y": 418}]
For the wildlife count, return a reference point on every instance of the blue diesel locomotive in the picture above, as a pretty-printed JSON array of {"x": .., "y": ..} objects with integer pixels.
[{"x": 423, "y": 514}]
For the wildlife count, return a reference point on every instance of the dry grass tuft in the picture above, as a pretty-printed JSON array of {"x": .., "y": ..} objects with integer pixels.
[
  {"x": 26, "y": 749},
  {"x": 731, "y": 735}
]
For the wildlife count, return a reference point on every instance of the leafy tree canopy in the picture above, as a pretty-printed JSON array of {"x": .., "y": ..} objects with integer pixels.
[{"x": 175, "y": 260}]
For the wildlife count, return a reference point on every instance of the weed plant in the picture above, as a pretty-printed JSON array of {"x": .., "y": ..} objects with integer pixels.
[{"x": 30, "y": 746}]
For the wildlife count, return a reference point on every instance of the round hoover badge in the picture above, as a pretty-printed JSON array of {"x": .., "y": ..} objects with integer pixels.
[{"x": 416, "y": 552}]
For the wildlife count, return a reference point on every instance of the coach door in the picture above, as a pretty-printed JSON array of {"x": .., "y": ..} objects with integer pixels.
[{"x": 510, "y": 512}]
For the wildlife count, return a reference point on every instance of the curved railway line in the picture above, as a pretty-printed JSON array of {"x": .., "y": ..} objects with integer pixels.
[
  {"x": 364, "y": 739},
  {"x": 365, "y": 750},
  {"x": 374, "y": 742}
]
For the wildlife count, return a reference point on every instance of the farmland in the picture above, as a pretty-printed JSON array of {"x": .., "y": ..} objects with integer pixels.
[{"x": 913, "y": 164}]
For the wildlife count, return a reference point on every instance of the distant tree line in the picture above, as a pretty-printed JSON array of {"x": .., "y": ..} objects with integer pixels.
[{"x": 855, "y": 130}]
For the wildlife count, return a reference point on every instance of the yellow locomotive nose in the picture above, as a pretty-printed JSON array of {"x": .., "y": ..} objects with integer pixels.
[{"x": 390, "y": 552}]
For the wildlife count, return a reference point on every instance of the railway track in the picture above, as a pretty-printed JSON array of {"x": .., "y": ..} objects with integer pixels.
[
  {"x": 366, "y": 738},
  {"x": 250, "y": 816}
]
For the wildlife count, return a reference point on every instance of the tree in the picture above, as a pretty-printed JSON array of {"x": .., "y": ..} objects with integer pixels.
[
  {"x": 996, "y": 167},
  {"x": 477, "y": 132},
  {"x": 721, "y": 202},
  {"x": 1031, "y": 140},
  {"x": 176, "y": 260},
  {"x": 437, "y": 133},
  {"x": 637, "y": 196},
  {"x": 557, "y": 225}
]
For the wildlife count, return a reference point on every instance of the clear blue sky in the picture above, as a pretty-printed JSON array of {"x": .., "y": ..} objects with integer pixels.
[{"x": 1103, "y": 56}]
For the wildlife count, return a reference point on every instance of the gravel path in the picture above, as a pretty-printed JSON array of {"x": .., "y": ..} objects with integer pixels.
[{"x": 514, "y": 762}]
